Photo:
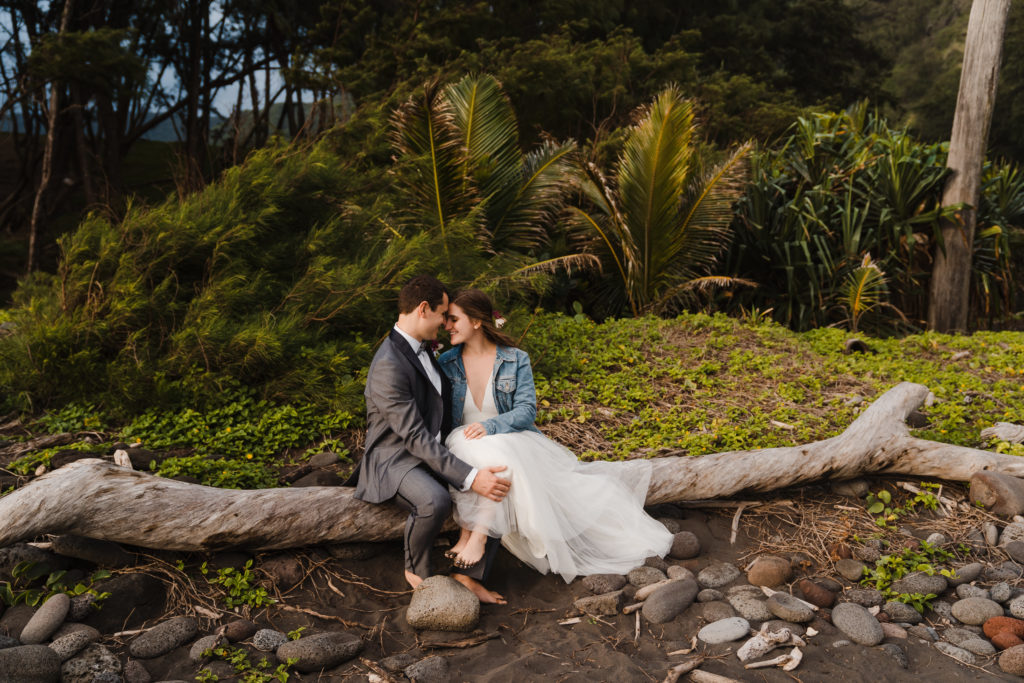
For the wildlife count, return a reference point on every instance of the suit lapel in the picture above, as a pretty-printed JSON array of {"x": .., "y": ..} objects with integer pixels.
[
  {"x": 446, "y": 386},
  {"x": 403, "y": 347}
]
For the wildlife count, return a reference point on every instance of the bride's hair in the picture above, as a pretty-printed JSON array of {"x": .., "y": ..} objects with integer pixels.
[{"x": 478, "y": 306}]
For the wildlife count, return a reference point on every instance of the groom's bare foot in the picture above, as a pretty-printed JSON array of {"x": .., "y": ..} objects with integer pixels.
[
  {"x": 413, "y": 580},
  {"x": 479, "y": 591}
]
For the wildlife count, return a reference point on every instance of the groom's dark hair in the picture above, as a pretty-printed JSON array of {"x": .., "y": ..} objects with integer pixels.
[{"x": 421, "y": 288}]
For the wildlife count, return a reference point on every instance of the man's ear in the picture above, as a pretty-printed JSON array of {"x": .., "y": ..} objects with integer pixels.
[{"x": 422, "y": 309}]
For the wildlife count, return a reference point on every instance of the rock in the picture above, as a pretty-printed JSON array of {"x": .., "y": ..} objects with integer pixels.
[
  {"x": 70, "y": 645},
  {"x": 865, "y": 597},
  {"x": 1006, "y": 640},
  {"x": 81, "y": 607},
  {"x": 1016, "y": 607},
  {"x": 326, "y": 650},
  {"x": 676, "y": 571},
  {"x": 1000, "y": 494},
  {"x": 936, "y": 539},
  {"x": 29, "y": 664},
  {"x": 923, "y": 632},
  {"x": 356, "y": 551},
  {"x": 102, "y": 553},
  {"x": 841, "y": 643},
  {"x": 164, "y": 637},
  {"x": 857, "y": 624},
  {"x": 717, "y": 610},
  {"x": 710, "y": 595},
  {"x": 195, "y": 653},
  {"x": 656, "y": 562},
  {"x": 851, "y": 488},
  {"x": 45, "y": 561},
  {"x": 1012, "y": 660},
  {"x": 969, "y": 590},
  {"x": 919, "y": 582},
  {"x": 607, "y": 604},
  {"x": 724, "y": 631},
  {"x": 776, "y": 625},
  {"x": 976, "y": 611},
  {"x": 945, "y": 611},
  {"x": 69, "y": 627},
  {"x": 284, "y": 570},
  {"x": 978, "y": 646},
  {"x": 14, "y": 619},
  {"x": 94, "y": 664},
  {"x": 603, "y": 583},
  {"x": 429, "y": 670},
  {"x": 441, "y": 603},
  {"x": 319, "y": 478},
  {"x": 268, "y": 639},
  {"x": 669, "y": 601},
  {"x": 643, "y": 593},
  {"x": 769, "y": 570},
  {"x": 815, "y": 594},
  {"x": 829, "y": 584},
  {"x": 717, "y": 575},
  {"x": 1015, "y": 549},
  {"x": 685, "y": 545},
  {"x": 991, "y": 532},
  {"x": 867, "y": 553},
  {"x": 46, "y": 620},
  {"x": 1007, "y": 571},
  {"x": 897, "y": 653},
  {"x": 851, "y": 570},
  {"x": 137, "y": 598},
  {"x": 788, "y": 608},
  {"x": 1000, "y": 592},
  {"x": 239, "y": 629},
  {"x": 957, "y": 653},
  {"x": 965, "y": 574},
  {"x": 399, "y": 662},
  {"x": 645, "y": 576},
  {"x": 751, "y": 607},
  {"x": 135, "y": 672},
  {"x": 894, "y": 631},
  {"x": 1000, "y": 624},
  {"x": 7, "y": 641},
  {"x": 1014, "y": 531},
  {"x": 901, "y": 612},
  {"x": 671, "y": 523},
  {"x": 324, "y": 459}
]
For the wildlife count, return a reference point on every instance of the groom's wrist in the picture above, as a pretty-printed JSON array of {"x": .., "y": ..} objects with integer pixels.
[{"x": 468, "y": 483}]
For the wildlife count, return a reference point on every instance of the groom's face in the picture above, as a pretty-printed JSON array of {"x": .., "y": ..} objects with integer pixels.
[{"x": 432, "y": 319}]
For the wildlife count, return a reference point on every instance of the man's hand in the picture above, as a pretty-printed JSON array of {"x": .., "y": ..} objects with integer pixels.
[{"x": 490, "y": 486}]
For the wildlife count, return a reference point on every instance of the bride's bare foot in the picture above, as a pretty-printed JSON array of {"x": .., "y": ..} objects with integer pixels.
[
  {"x": 459, "y": 546},
  {"x": 482, "y": 594},
  {"x": 413, "y": 580},
  {"x": 472, "y": 552}
]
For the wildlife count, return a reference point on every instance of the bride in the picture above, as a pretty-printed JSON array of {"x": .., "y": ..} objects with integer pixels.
[{"x": 561, "y": 515}]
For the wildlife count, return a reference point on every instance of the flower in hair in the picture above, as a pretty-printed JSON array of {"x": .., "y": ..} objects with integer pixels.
[{"x": 499, "y": 321}]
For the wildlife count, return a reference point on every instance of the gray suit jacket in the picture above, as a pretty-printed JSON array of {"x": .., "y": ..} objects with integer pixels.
[{"x": 403, "y": 413}]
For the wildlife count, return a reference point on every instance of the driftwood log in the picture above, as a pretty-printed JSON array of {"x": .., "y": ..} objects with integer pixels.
[{"x": 100, "y": 500}]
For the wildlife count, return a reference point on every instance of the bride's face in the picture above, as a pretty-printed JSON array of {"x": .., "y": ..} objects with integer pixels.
[{"x": 461, "y": 328}]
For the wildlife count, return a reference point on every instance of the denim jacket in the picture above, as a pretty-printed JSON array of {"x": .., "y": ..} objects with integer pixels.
[{"x": 514, "y": 393}]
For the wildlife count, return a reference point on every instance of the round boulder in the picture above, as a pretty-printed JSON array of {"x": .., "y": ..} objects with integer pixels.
[
  {"x": 857, "y": 624},
  {"x": 724, "y": 631},
  {"x": 788, "y": 608},
  {"x": 645, "y": 576},
  {"x": 320, "y": 651},
  {"x": 268, "y": 639},
  {"x": 669, "y": 601},
  {"x": 46, "y": 620},
  {"x": 94, "y": 663},
  {"x": 769, "y": 570},
  {"x": 441, "y": 603},
  {"x": 976, "y": 611},
  {"x": 164, "y": 637},
  {"x": 1012, "y": 660},
  {"x": 717, "y": 575},
  {"x": 29, "y": 664},
  {"x": 685, "y": 545}
]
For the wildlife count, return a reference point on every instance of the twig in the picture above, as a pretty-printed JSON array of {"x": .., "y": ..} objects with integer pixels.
[
  {"x": 684, "y": 668},
  {"x": 736, "y": 523},
  {"x": 570, "y": 622},
  {"x": 636, "y": 632},
  {"x": 328, "y": 617},
  {"x": 375, "y": 668},
  {"x": 461, "y": 644},
  {"x": 635, "y": 607}
]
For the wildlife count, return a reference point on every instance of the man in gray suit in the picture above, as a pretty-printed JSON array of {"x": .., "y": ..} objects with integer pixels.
[{"x": 408, "y": 416}]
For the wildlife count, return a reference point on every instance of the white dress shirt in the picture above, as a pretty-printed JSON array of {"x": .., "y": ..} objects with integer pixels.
[{"x": 435, "y": 379}]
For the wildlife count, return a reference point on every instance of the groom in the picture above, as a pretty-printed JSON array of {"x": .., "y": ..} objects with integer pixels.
[{"x": 408, "y": 416}]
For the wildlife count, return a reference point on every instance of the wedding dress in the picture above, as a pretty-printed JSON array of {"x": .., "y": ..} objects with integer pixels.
[{"x": 561, "y": 515}]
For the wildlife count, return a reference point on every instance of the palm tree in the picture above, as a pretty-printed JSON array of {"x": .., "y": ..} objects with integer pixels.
[{"x": 661, "y": 220}]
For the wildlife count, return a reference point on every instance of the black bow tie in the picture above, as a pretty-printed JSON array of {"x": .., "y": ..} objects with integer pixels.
[{"x": 427, "y": 345}]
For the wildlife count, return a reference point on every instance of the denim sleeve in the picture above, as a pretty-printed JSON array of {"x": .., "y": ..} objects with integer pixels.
[{"x": 524, "y": 402}]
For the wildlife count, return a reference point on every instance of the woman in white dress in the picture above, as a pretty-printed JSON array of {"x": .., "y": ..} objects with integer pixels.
[{"x": 561, "y": 515}]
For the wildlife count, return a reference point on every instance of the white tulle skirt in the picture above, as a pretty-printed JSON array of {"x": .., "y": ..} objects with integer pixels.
[{"x": 561, "y": 515}]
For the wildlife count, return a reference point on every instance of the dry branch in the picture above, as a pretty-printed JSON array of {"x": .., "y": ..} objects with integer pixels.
[{"x": 97, "y": 499}]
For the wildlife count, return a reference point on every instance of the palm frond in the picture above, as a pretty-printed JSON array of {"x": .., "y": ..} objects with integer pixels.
[
  {"x": 863, "y": 290},
  {"x": 684, "y": 291},
  {"x": 566, "y": 263},
  {"x": 539, "y": 195}
]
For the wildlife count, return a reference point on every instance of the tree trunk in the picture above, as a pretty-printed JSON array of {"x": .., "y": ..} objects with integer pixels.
[
  {"x": 100, "y": 500},
  {"x": 951, "y": 275}
]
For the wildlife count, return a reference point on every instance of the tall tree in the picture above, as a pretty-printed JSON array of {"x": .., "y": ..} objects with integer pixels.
[{"x": 951, "y": 276}]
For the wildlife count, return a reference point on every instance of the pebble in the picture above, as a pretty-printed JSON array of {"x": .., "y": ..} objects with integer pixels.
[
  {"x": 94, "y": 664},
  {"x": 969, "y": 590},
  {"x": 857, "y": 624},
  {"x": 322, "y": 650},
  {"x": 81, "y": 607},
  {"x": 991, "y": 532},
  {"x": 776, "y": 625},
  {"x": 1014, "y": 531},
  {"x": 46, "y": 620},
  {"x": 645, "y": 576},
  {"x": 897, "y": 653},
  {"x": 676, "y": 571},
  {"x": 1000, "y": 592},
  {"x": 815, "y": 594},
  {"x": 671, "y": 523},
  {"x": 718, "y": 575},
  {"x": 976, "y": 611},
  {"x": 923, "y": 632},
  {"x": 867, "y": 553},
  {"x": 656, "y": 562},
  {"x": 7, "y": 641},
  {"x": 1007, "y": 571},
  {"x": 717, "y": 610},
  {"x": 751, "y": 607},
  {"x": 937, "y": 539},
  {"x": 902, "y": 613},
  {"x": 965, "y": 574},
  {"x": 945, "y": 611},
  {"x": 325, "y": 459},
  {"x": 957, "y": 653},
  {"x": 205, "y": 643},
  {"x": 769, "y": 570},
  {"x": 29, "y": 664},
  {"x": 135, "y": 672},
  {"x": 841, "y": 643},
  {"x": 240, "y": 629},
  {"x": 978, "y": 646},
  {"x": 685, "y": 545},
  {"x": 70, "y": 645},
  {"x": 865, "y": 597},
  {"x": 1012, "y": 660},
  {"x": 788, "y": 608},
  {"x": 605, "y": 605},
  {"x": 399, "y": 662},
  {"x": 852, "y": 488},
  {"x": 669, "y": 601},
  {"x": 441, "y": 603},
  {"x": 432, "y": 669},
  {"x": 919, "y": 582},
  {"x": 603, "y": 583},
  {"x": 710, "y": 595},
  {"x": 284, "y": 570},
  {"x": 894, "y": 631},
  {"x": 851, "y": 570},
  {"x": 268, "y": 639},
  {"x": 724, "y": 631},
  {"x": 1016, "y": 607},
  {"x": 69, "y": 627},
  {"x": 1015, "y": 549},
  {"x": 164, "y": 637}
]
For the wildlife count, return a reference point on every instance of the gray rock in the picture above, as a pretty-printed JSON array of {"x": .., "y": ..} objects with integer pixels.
[
  {"x": 969, "y": 590},
  {"x": 944, "y": 611},
  {"x": 95, "y": 663},
  {"x": 923, "y": 632},
  {"x": 399, "y": 662},
  {"x": 46, "y": 620},
  {"x": 324, "y": 459},
  {"x": 710, "y": 595},
  {"x": 867, "y": 553},
  {"x": 70, "y": 645},
  {"x": 919, "y": 582},
  {"x": 957, "y": 636},
  {"x": 976, "y": 611},
  {"x": 135, "y": 672},
  {"x": 865, "y": 597},
  {"x": 603, "y": 583},
  {"x": 897, "y": 653},
  {"x": 669, "y": 601},
  {"x": 1014, "y": 531},
  {"x": 851, "y": 570},
  {"x": 936, "y": 539},
  {"x": 717, "y": 575},
  {"x": 1015, "y": 549},
  {"x": 429, "y": 670},
  {"x": 29, "y": 664},
  {"x": 788, "y": 608},
  {"x": 999, "y": 493},
  {"x": 605, "y": 605},
  {"x": 671, "y": 523},
  {"x": 14, "y": 619},
  {"x": 717, "y": 610},
  {"x": 268, "y": 639},
  {"x": 102, "y": 553},
  {"x": 441, "y": 603},
  {"x": 685, "y": 545},
  {"x": 893, "y": 630},
  {"x": 1000, "y": 592},
  {"x": 7, "y": 641},
  {"x": 645, "y": 576},
  {"x": 1007, "y": 571},
  {"x": 323, "y": 650},
  {"x": 676, "y": 571},
  {"x": 857, "y": 624},
  {"x": 978, "y": 646},
  {"x": 164, "y": 637},
  {"x": 957, "y": 653},
  {"x": 991, "y": 532},
  {"x": 69, "y": 627},
  {"x": 751, "y": 607},
  {"x": 658, "y": 563},
  {"x": 195, "y": 653},
  {"x": 82, "y": 606},
  {"x": 965, "y": 574},
  {"x": 902, "y": 613},
  {"x": 852, "y": 488},
  {"x": 1012, "y": 660},
  {"x": 1016, "y": 607},
  {"x": 724, "y": 631}
]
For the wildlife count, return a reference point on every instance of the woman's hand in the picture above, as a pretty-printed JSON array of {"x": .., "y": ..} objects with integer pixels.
[{"x": 474, "y": 431}]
